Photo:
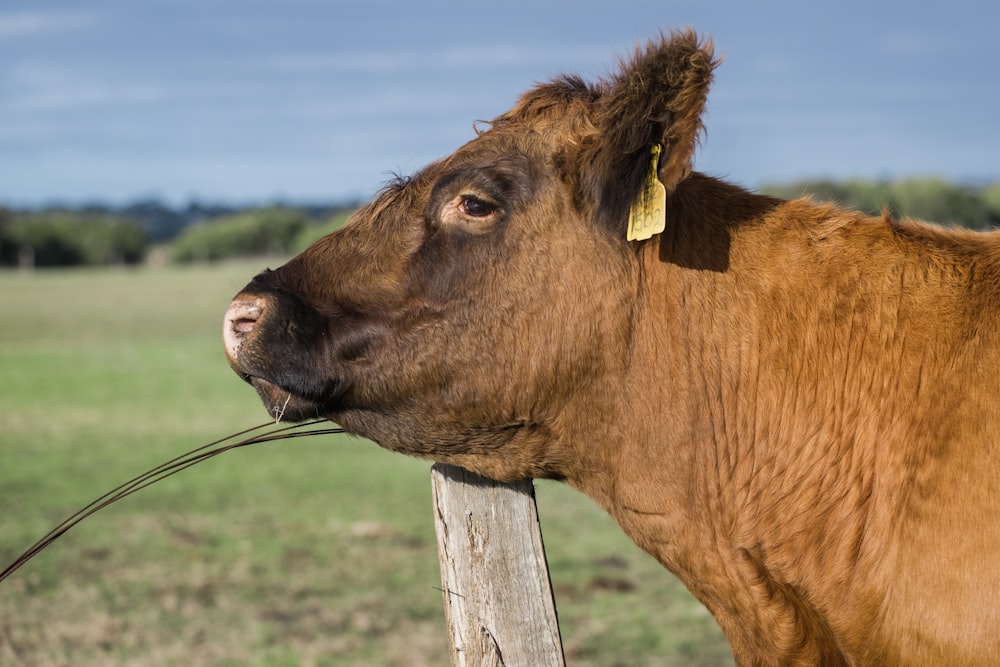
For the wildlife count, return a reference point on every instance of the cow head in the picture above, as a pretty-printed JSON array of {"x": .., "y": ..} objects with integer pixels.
[{"x": 480, "y": 311}]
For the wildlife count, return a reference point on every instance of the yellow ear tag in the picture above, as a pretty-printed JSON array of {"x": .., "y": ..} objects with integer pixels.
[{"x": 648, "y": 214}]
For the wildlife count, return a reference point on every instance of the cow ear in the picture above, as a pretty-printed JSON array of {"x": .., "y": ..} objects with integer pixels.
[{"x": 657, "y": 97}]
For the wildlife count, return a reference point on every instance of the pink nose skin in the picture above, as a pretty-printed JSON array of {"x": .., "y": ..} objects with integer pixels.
[{"x": 241, "y": 317}]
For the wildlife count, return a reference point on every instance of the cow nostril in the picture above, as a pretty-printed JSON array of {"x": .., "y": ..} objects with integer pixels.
[
  {"x": 243, "y": 315},
  {"x": 243, "y": 325},
  {"x": 241, "y": 318}
]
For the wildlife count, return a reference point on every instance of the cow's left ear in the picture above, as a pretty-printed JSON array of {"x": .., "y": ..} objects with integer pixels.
[{"x": 657, "y": 97}]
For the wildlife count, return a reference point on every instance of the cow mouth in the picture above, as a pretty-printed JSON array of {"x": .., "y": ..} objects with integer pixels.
[{"x": 284, "y": 405}]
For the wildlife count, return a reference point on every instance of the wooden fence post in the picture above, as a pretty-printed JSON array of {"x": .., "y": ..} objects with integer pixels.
[{"x": 497, "y": 594}]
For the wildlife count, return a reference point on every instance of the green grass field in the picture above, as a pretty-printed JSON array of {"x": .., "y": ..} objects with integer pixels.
[{"x": 316, "y": 551}]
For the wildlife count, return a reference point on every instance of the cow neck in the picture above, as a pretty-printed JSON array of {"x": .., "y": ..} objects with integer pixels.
[{"x": 702, "y": 465}]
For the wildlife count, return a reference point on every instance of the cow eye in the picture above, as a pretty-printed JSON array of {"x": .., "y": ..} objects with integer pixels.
[
  {"x": 475, "y": 207},
  {"x": 472, "y": 213}
]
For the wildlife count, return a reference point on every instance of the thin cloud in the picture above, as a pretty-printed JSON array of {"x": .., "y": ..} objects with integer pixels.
[
  {"x": 88, "y": 95},
  {"x": 37, "y": 88},
  {"x": 447, "y": 59},
  {"x": 30, "y": 24}
]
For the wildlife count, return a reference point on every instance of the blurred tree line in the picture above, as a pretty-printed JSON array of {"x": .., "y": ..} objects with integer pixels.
[
  {"x": 270, "y": 231},
  {"x": 930, "y": 199},
  {"x": 69, "y": 239},
  {"x": 95, "y": 235},
  {"x": 101, "y": 236}
]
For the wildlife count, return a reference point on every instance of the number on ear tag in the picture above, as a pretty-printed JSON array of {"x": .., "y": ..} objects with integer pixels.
[{"x": 648, "y": 215}]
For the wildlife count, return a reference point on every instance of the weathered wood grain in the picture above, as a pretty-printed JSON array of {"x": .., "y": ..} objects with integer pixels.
[{"x": 497, "y": 594}]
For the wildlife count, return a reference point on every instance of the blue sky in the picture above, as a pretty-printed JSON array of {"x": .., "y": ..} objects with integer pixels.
[{"x": 307, "y": 101}]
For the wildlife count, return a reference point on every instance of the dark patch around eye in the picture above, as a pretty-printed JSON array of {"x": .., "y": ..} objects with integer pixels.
[{"x": 500, "y": 186}]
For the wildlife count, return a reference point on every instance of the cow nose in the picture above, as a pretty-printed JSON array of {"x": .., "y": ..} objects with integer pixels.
[{"x": 240, "y": 320}]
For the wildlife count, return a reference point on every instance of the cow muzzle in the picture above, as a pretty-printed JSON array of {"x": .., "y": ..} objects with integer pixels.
[{"x": 270, "y": 342}]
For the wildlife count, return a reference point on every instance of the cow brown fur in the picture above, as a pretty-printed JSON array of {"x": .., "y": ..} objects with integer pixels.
[{"x": 792, "y": 406}]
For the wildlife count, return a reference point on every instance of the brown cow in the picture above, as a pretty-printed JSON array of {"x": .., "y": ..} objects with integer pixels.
[{"x": 792, "y": 406}]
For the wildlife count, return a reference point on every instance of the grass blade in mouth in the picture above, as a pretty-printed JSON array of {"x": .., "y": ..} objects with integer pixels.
[{"x": 172, "y": 467}]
